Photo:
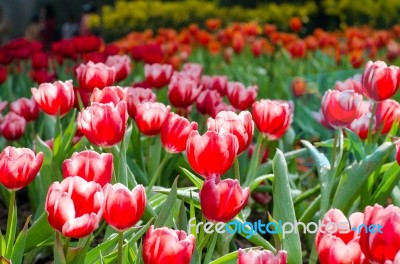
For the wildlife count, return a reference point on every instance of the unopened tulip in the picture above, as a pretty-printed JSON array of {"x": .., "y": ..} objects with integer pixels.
[
  {"x": 27, "y": 108},
  {"x": 91, "y": 75},
  {"x": 360, "y": 126},
  {"x": 336, "y": 241},
  {"x": 298, "y": 86},
  {"x": 241, "y": 126},
  {"x": 39, "y": 60},
  {"x": 222, "y": 200},
  {"x": 123, "y": 208},
  {"x": 3, "y": 74},
  {"x": 53, "y": 98},
  {"x": 109, "y": 94},
  {"x": 212, "y": 153},
  {"x": 341, "y": 108},
  {"x": 42, "y": 76},
  {"x": 89, "y": 165},
  {"x": 380, "y": 81},
  {"x": 74, "y": 206},
  {"x": 18, "y": 167},
  {"x": 150, "y": 117},
  {"x": 136, "y": 96},
  {"x": 103, "y": 125},
  {"x": 218, "y": 83},
  {"x": 164, "y": 245},
  {"x": 12, "y": 126},
  {"x": 182, "y": 93},
  {"x": 352, "y": 84},
  {"x": 175, "y": 133},
  {"x": 272, "y": 117},
  {"x": 377, "y": 246},
  {"x": 387, "y": 112},
  {"x": 207, "y": 101},
  {"x": 261, "y": 257},
  {"x": 240, "y": 97},
  {"x": 158, "y": 75},
  {"x": 121, "y": 64}
]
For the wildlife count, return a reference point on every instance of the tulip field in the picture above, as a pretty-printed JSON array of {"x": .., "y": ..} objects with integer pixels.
[{"x": 216, "y": 145}]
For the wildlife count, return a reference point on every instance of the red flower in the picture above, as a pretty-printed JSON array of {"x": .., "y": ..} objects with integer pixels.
[
  {"x": 261, "y": 257},
  {"x": 387, "y": 112},
  {"x": 42, "y": 76},
  {"x": 207, "y": 101},
  {"x": 298, "y": 87},
  {"x": 212, "y": 153},
  {"x": 85, "y": 44},
  {"x": 182, "y": 93},
  {"x": 27, "y": 108},
  {"x": 53, "y": 98},
  {"x": 380, "y": 82},
  {"x": 18, "y": 167},
  {"x": 158, "y": 75},
  {"x": 218, "y": 83},
  {"x": 122, "y": 66},
  {"x": 341, "y": 108},
  {"x": 39, "y": 60},
  {"x": 272, "y": 118},
  {"x": 123, "y": 208},
  {"x": 12, "y": 126},
  {"x": 103, "y": 125},
  {"x": 3, "y": 74},
  {"x": 379, "y": 247},
  {"x": 295, "y": 24},
  {"x": 109, "y": 94},
  {"x": 241, "y": 126},
  {"x": 89, "y": 165},
  {"x": 74, "y": 206},
  {"x": 136, "y": 96},
  {"x": 240, "y": 97},
  {"x": 338, "y": 243},
  {"x": 175, "y": 132},
  {"x": 352, "y": 84},
  {"x": 91, "y": 75},
  {"x": 360, "y": 126},
  {"x": 150, "y": 117},
  {"x": 398, "y": 152},
  {"x": 222, "y": 200},
  {"x": 164, "y": 245}
]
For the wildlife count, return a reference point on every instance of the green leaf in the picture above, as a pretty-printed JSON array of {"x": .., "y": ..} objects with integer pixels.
[
  {"x": 356, "y": 175},
  {"x": 39, "y": 233},
  {"x": 2, "y": 244},
  {"x": 210, "y": 248},
  {"x": 193, "y": 178},
  {"x": 19, "y": 247},
  {"x": 59, "y": 256},
  {"x": 356, "y": 145},
  {"x": 166, "y": 211},
  {"x": 230, "y": 258},
  {"x": 283, "y": 207},
  {"x": 390, "y": 179},
  {"x": 11, "y": 225}
]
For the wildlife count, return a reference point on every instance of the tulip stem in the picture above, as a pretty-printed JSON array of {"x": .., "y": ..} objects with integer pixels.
[
  {"x": 370, "y": 128},
  {"x": 120, "y": 246},
  {"x": 158, "y": 172},
  {"x": 11, "y": 225},
  {"x": 237, "y": 169},
  {"x": 66, "y": 246}
]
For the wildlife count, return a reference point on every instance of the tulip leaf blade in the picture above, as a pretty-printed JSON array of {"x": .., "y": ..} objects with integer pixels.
[
  {"x": 59, "y": 256},
  {"x": 356, "y": 145},
  {"x": 390, "y": 179},
  {"x": 193, "y": 178},
  {"x": 283, "y": 207},
  {"x": 166, "y": 211},
  {"x": 2, "y": 244},
  {"x": 39, "y": 233},
  {"x": 19, "y": 246}
]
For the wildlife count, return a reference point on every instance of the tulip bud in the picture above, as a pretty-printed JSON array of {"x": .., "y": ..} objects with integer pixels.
[
  {"x": 164, "y": 245},
  {"x": 240, "y": 97},
  {"x": 91, "y": 75},
  {"x": 18, "y": 167},
  {"x": 387, "y": 112},
  {"x": 182, "y": 93},
  {"x": 109, "y": 94},
  {"x": 27, "y": 108},
  {"x": 123, "y": 208},
  {"x": 222, "y": 200},
  {"x": 150, "y": 117},
  {"x": 136, "y": 96},
  {"x": 158, "y": 75},
  {"x": 12, "y": 126},
  {"x": 261, "y": 257},
  {"x": 360, "y": 126},
  {"x": 207, "y": 101},
  {"x": 3, "y": 74},
  {"x": 74, "y": 206},
  {"x": 121, "y": 64}
]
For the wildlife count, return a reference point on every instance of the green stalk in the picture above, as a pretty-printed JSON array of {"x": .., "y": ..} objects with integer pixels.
[
  {"x": 158, "y": 172},
  {"x": 237, "y": 169},
  {"x": 120, "y": 247},
  {"x": 66, "y": 246},
  {"x": 11, "y": 225},
  {"x": 370, "y": 128}
]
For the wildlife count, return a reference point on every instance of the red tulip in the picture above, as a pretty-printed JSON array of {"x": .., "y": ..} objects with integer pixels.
[
  {"x": 380, "y": 82},
  {"x": 136, "y": 96},
  {"x": 240, "y": 97},
  {"x": 53, "y": 98},
  {"x": 261, "y": 257},
  {"x": 212, "y": 153},
  {"x": 341, "y": 108},
  {"x": 218, "y": 83},
  {"x": 183, "y": 93},
  {"x": 89, "y": 165},
  {"x": 360, "y": 126},
  {"x": 297, "y": 48},
  {"x": 42, "y": 76},
  {"x": 352, "y": 84},
  {"x": 85, "y": 44},
  {"x": 18, "y": 167},
  {"x": 298, "y": 87},
  {"x": 111, "y": 49},
  {"x": 91, "y": 75},
  {"x": 123, "y": 208},
  {"x": 3, "y": 74},
  {"x": 164, "y": 245},
  {"x": 194, "y": 70},
  {"x": 12, "y": 126},
  {"x": 272, "y": 118},
  {"x": 241, "y": 126},
  {"x": 109, "y": 94},
  {"x": 207, "y": 101},
  {"x": 27, "y": 108},
  {"x": 295, "y": 24},
  {"x": 122, "y": 66},
  {"x": 222, "y": 106},
  {"x": 337, "y": 243},
  {"x": 158, "y": 75},
  {"x": 74, "y": 206},
  {"x": 103, "y": 125},
  {"x": 222, "y": 200},
  {"x": 39, "y": 60},
  {"x": 150, "y": 117},
  {"x": 398, "y": 152},
  {"x": 175, "y": 132},
  {"x": 379, "y": 247},
  {"x": 387, "y": 112}
]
